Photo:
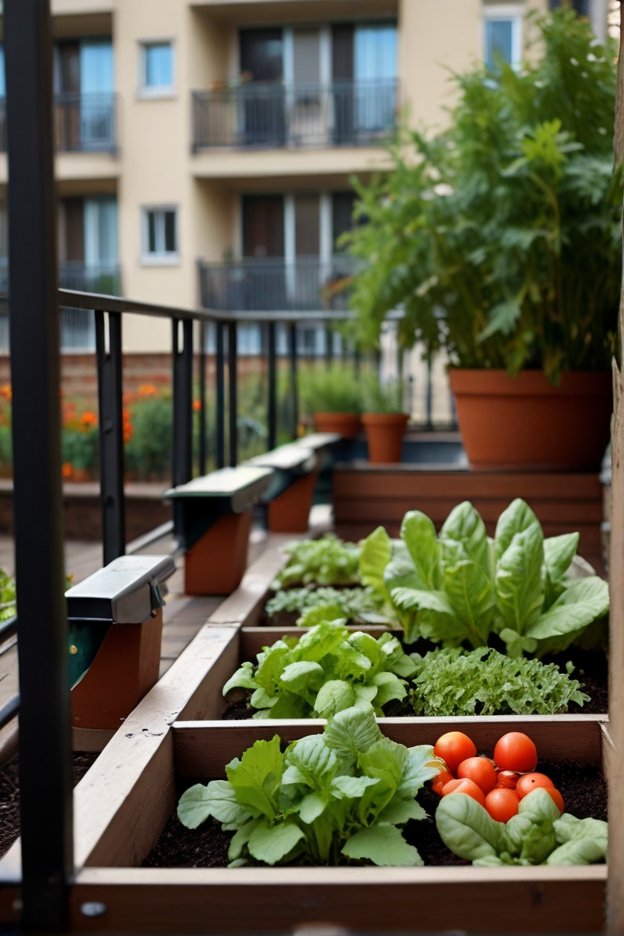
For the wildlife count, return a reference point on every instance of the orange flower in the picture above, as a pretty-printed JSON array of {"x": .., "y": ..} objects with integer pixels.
[
  {"x": 6, "y": 391},
  {"x": 67, "y": 470},
  {"x": 88, "y": 420},
  {"x": 147, "y": 390},
  {"x": 197, "y": 406}
]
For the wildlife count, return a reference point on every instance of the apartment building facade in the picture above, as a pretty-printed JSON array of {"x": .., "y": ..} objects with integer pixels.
[{"x": 205, "y": 148}]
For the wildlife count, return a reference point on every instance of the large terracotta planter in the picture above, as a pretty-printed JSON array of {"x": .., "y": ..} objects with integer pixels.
[
  {"x": 384, "y": 435},
  {"x": 525, "y": 423},
  {"x": 347, "y": 424}
]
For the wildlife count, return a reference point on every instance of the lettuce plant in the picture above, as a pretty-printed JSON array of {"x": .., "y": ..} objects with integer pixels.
[
  {"x": 327, "y": 560},
  {"x": 452, "y": 681},
  {"x": 355, "y": 604},
  {"x": 460, "y": 586},
  {"x": 538, "y": 834},
  {"x": 327, "y": 799},
  {"x": 327, "y": 669}
]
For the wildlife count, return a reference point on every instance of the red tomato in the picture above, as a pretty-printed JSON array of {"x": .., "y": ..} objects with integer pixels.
[
  {"x": 439, "y": 782},
  {"x": 454, "y": 747},
  {"x": 507, "y": 779},
  {"x": 469, "y": 787},
  {"x": 531, "y": 781},
  {"x": 515, "y": 751},
  {"x": 556, "y": 797},
  {"x": 479, "y": 769},
  {"x": 502, "y": 803}
]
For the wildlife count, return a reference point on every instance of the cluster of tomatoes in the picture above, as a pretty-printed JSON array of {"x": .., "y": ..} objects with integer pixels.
[{"x": 498, "y": 783}]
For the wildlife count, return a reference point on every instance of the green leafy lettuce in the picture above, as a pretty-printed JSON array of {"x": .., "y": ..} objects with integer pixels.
[
  {"x": 327, "y": 560},
  {"x": 338, "y": 797},
  {"x": 537, "y": 835},
  {"x": 355, "y": 604},
  {"x": 460, "y": 586},
  {"x": 452, "y": 681},
  {"x": 327, "y": 669}
]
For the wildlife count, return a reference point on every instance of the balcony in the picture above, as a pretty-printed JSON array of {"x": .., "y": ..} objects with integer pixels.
[
  {"x": 278, "y": 116},
  {"x": 274, "y": 284},
  {"x": 90, "y": 277},
  {"x": 83, "y": 123}
]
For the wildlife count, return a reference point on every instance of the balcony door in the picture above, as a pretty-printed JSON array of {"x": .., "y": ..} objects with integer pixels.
[
  {"x": 88, "y": 260},
  {"x": 261, "y": 53},
  {"x": 289, "y": 246},
  {"x": 364, "y": 72},
  {"x": 83, "y": 84}
]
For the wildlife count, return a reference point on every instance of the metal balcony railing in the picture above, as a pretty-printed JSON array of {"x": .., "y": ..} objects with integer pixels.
[
  {"x": 90, "y": 277},
  {"x": 276, "y": 115},
  {"x": 82, "y": 123},
  {"x": 308, "y": 284}
]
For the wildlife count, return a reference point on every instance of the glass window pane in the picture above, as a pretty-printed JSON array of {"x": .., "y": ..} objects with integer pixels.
[
  {"x": 498, "y": 41},
  {"x": 151, "y": 232},
  {"x": 170, "y": 233},
  {"x": 158, "y": 65}
]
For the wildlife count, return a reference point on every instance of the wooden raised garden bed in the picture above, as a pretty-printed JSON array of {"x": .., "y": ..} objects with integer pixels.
[{"x": 127, "y": 798}]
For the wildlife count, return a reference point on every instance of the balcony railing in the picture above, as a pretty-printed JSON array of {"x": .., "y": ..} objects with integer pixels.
[
  {"x": 308, "y": 284},
  {"x": 83, "y": 123},
  {"x": 275, "y": 115},
  {"x": 90, "y": 277}
]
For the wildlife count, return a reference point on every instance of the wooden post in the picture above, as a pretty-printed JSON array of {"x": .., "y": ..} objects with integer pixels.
[{"x": 615, "y": 879}]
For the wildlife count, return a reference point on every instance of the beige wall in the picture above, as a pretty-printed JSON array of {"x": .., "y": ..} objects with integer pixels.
[
  {"x": 437, "y": 37},
  {"x": 154, "y": 155}
]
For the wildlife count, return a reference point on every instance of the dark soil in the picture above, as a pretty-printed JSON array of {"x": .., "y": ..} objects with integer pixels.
[
  {"x": 583, "y": 789},
  {"x": 10, "y": 798}
]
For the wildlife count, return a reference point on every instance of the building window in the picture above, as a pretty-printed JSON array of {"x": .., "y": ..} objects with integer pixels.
[
  {"x": 156, "y": 69},
  {"x": 502, "y": 35},
  {"x": 159, "y": 235}
]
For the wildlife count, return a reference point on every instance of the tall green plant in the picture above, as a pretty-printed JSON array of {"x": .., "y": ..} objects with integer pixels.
[{"x": 500, "y": 237}]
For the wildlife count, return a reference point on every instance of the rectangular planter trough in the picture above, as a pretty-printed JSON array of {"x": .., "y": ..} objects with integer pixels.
[{"x": 129, "y": 899}]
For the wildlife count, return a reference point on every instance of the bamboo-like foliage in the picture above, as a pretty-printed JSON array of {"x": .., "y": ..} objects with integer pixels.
[{"x": 499, "y": 238}]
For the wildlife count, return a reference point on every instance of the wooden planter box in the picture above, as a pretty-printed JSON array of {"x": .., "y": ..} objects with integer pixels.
[{"x": 121, "y": 807}]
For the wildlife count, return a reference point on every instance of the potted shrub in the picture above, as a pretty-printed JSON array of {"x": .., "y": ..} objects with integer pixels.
[
  {"x": 384, "y": 419},
  {"x": 332, "y": 396},
  {"x": 499, "y": 239}
]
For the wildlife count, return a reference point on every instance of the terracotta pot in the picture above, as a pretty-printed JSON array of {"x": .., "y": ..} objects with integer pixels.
[
  {"x": 347, "y": 424},
  {"x": 384, "y": 435},
  {"x": 525, "y": 423}
]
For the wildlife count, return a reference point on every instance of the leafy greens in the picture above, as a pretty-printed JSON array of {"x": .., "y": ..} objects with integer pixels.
[
  {"x": 460, "y": 586},
  {"x": 327, "y": 799},
  {"x": 538, "y": 834},
  {"x": 327, "y": 669}
]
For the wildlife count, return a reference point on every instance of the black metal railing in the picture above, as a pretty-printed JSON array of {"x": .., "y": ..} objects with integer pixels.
[
  {"x": 308, "y": 284},
  {"x": 273, "y": 114},
  {"x": 83, "y": 123}
]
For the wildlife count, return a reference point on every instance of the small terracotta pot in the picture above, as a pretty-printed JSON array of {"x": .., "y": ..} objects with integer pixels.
[
  {"x": 347, "y": 424},
  {"x": 527, "y": 424},
  {"x": 384, "y": 435}
]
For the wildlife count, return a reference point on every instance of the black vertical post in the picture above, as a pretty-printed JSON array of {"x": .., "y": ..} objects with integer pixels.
[
  {"x": 294, "y": 388},
  {"x": 220, "y": 392},
  {"x": 201, "y": 454},
  {"x": 272, "y": 385},
  {"x": 109, "y": 368},
  {"x": 429, "y": 396},
  {"x": 45, "y": 736},
  {"x": 329, "y": 344},
  {"x": 233, "y": 391},
  {"x": 182, "y": 462}
]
